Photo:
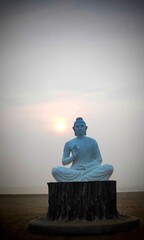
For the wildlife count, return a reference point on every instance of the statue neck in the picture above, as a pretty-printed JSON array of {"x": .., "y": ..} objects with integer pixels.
[{"x": 80, "y": 136}]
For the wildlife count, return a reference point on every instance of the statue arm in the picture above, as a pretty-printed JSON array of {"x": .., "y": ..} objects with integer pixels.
[
  {"x": 97, "y": 159},
  {"x": 67, "y": 159},
  {"x": 97, "y": 154}
]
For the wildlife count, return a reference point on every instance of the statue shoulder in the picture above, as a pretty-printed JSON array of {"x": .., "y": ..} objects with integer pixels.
[
  {"x": 70, "y": 142},
  {"x": 90, "y": 139}
]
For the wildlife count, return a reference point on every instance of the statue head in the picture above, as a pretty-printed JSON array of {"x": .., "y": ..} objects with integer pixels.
[{"x": 79, "y": 127}]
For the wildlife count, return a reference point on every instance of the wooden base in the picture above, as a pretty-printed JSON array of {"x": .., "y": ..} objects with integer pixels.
[{"x": 70, "y": 201}]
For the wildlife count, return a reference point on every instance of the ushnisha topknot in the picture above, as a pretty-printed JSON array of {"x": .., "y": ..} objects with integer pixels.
[{"x": 79, "y": 119}]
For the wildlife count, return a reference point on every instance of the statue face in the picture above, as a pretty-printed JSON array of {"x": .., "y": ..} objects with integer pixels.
[{"x": 80, "y": 128}]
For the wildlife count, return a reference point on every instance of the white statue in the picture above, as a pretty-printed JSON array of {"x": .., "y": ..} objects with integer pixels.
[{"x": 84, "y": 154}]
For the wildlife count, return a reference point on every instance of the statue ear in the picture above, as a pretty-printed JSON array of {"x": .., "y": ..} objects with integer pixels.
[
  {"x": 86, "y": 129},
  {"x": 73, "y": 128}
]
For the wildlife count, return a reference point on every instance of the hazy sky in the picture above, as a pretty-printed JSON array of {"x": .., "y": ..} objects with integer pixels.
[{"x": 61, "y": 59}]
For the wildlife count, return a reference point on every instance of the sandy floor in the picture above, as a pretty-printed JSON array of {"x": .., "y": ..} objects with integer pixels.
[{"x": 17, "y": 210}]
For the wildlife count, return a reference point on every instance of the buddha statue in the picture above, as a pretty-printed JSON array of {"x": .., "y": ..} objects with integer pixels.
[{"x": 83, "y": 154}]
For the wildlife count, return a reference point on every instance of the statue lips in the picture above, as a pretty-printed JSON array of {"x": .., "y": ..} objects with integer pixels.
[{"x": 80, "y": 131}]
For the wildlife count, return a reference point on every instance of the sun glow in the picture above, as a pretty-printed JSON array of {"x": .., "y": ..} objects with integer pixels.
[{"x": 60, "y": 125}]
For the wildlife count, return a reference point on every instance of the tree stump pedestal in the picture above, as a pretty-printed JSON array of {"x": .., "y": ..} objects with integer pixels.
[
  {"x": 82, "y": 208},
  {"x": 70, "y": 201}
]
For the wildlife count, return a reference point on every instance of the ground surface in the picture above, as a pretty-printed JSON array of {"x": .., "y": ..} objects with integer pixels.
[{"x": 17, "y": 210}]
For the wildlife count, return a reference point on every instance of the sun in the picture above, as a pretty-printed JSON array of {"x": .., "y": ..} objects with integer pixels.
[{"x": 60, "y": 124}]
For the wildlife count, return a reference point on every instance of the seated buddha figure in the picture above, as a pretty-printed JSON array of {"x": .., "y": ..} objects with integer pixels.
[{"x": 83, "y": 154}]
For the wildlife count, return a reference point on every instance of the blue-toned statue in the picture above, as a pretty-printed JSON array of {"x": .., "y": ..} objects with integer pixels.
[{"x": 84, "y": 154}]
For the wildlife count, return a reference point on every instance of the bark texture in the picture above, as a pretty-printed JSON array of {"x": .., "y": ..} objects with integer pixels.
[{"x": 70, "y": 201}]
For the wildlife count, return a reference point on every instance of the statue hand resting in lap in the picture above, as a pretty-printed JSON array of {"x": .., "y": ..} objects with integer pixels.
[{"x": 83, "y": 154}]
